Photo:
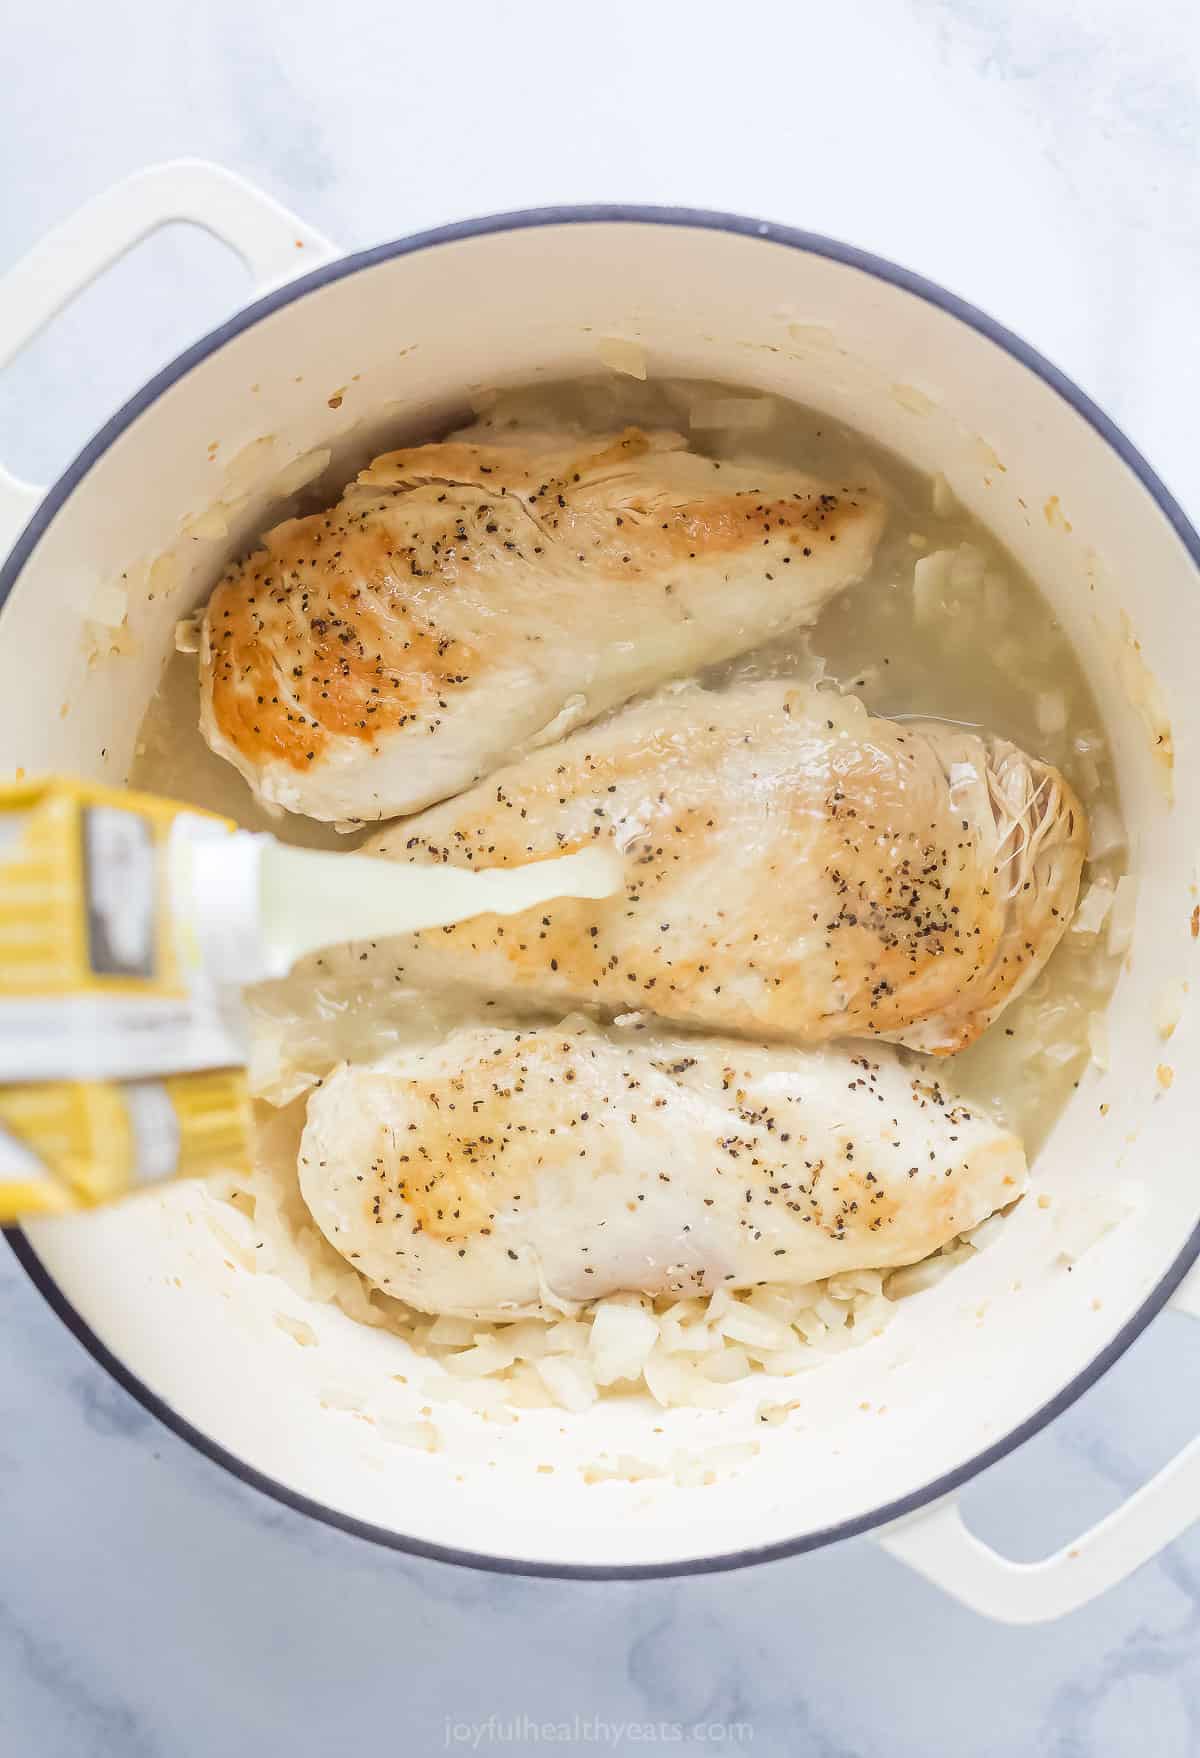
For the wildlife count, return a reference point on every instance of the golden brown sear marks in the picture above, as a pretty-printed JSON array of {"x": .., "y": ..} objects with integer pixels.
[{"x": 459, "y": 597}]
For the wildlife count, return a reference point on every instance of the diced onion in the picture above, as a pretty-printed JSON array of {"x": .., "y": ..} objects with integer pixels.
[
  {"x": 458, "y": 1331},
  {"x": 1121, "y": 917},
  {"x": 919, "y": 1278},
  {"x": 625, "y": 1468},
  {"x": 944, "y": 503},
  {"x": 987, "y": 1231},
  {"x": 1093, "y": 909},
  {"x": 421, "y": 1435},
  {"x": 1097, "y": 1035},
  {"x": 622, "y": 355},
  {"x": 301, "y": 471},
  {"x": 163, "y": 576},
  {"x": 622, "y": 1337},
  {"x": 931, "y": 576},
  {"x": 727, "y": 1365},
  {"x": 758, "y": 1330},
  {"x": 486, "y": 1357},
  {"x": 1051, "y": 711},
  {"x": 342, "y": 1398},
  {"x": 247, "y": 469},
  {"x": 673, "y": 1381},
  {"x": 209, "y": 525},
  {"x": 297, "y": 1330},
  {"x": 187, "y": 633},
  {"x": 568, "y": 1381}
]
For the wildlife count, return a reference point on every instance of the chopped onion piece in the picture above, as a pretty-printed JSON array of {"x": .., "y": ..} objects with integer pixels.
[
  {"x": 832, "y": 1312},
  {"x": 568, "y": 1337},
  {"x": 622, "y": 355},
  {"x": 421, "y": 1435},
  {"x": 930, "y": 578},
  {"x": 246, "y": 471},
  {"x": 918, "y": 1278},
  {"x": 163, "y": 577},
  {"x": 621, "y": 1339},
  {"x": 342, "y": 1398},
  {"x": 720, "y": 1302},
  {"x": 529, "y": 1340},
  {"x": 1097, "y": 1034},
  {"x": 568, "y": 1381},
  {"x": 1051, "y": 711},
  {"x": 944, "y": 503},
  {"x": 1093, "y": 909},
  {"x": 671, "y": 1380},
  {"x": 774, "y": 1415},
  {"x": 625, "y": 1468},
  {"x": 187, "y": 633},
  {"x": 457, "y": 1331},
  {"x": 810, "y": 1327},
  {"x": 209, "y": 525},
  {"x": 488, "y": 1357},
  {"x": 726, "y": 1365},
  {"x": 852, "y": 1282},
  {"x": 525, "y": 1388},
  {"x": 1121, "y": 917},
  {"x": 483, "y": 1396},
  {"x": 756, "y": 1329},
  {"x": 794, "y": 1359},
  {"x": 1058, "y": 1053},
  {"x": 297, "y": 1330},
  {"x": 986, "y": 1232},
  {"x": 301, "y": 471}
]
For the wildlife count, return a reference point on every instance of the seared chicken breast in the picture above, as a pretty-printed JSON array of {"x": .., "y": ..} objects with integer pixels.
[
  {"x": 794, "y": 867},
  {"x": 502, "y": 1169},
  {"x": 465, "y": 601}
]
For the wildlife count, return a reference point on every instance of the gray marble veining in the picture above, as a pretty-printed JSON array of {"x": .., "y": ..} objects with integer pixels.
[{"x": 1041, "y": 161}]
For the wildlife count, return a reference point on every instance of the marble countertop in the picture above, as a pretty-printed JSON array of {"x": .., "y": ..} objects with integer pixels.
[{"x": 1041, "y": 161}]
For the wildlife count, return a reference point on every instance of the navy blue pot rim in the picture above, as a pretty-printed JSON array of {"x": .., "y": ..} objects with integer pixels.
[{"x": 703, "y": 220}]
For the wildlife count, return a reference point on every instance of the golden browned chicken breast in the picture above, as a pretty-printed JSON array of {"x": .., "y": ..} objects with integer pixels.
[
  {"x": 466, "y": 601},
  {"x": 501, "y": 1169},
  {"x": 795, "y": 867}
]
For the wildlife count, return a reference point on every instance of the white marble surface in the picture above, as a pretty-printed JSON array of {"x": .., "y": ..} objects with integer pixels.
[{"x": 1043, "y": 162}]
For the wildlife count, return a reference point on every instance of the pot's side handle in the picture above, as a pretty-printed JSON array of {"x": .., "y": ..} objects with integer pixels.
[
  {"x": 272, "y": 242},
  {"x": 937, "y": 1544}
]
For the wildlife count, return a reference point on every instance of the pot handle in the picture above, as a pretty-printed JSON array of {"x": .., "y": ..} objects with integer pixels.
[
  {"x": 272, "y": 242},
  {"x": 937, "y": 1544}
]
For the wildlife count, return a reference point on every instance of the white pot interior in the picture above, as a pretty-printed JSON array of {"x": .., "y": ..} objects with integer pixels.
[{"x": 382, "y": 351}]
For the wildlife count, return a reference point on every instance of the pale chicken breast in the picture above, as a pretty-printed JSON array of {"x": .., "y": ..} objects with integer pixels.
[
  {"x": 502, "y": 1170},
  {"x": 795, "y": 867},
  {"x": 465, "y": 601}
]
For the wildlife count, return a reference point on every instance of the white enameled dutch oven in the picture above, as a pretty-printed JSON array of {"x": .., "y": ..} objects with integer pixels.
[{"x": 339, "y": 358}]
